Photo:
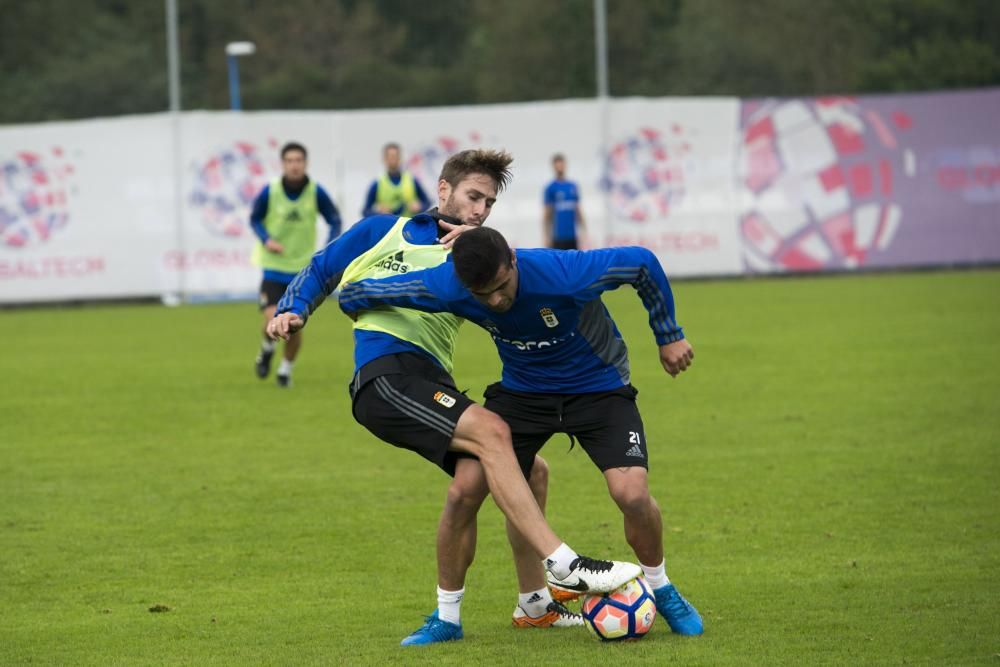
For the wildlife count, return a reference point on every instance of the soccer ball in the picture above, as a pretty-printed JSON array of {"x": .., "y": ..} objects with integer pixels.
[{"x": 627, "y": 612}]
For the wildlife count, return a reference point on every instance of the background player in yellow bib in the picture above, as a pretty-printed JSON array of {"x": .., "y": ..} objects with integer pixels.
[
  {"x": 395, "y": 191},
  {"x": 284, "y": 220}
]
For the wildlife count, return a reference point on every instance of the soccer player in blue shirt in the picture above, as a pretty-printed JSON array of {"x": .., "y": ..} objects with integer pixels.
[
  {"x": 565, "y": 365},
  {"x": 403, "y": 393},
  {"x": 284, "y": 219},
  {"x": 562, "y": 209}
]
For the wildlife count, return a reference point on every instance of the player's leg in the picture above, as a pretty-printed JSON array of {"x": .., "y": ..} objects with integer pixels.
[
  {"x": 456, "y": 536},
  {"x": 629, "y": 488},
  {"x": 439, "y": 423},
  {"x": 535, "y": 606},
  {"x": 270, "y": 294},
  {"x": 401, "y": 410},
  {"x": 486, "y": 435},
  {"x": 610, "y": 430},
  {"x": 292, "y": 347}
]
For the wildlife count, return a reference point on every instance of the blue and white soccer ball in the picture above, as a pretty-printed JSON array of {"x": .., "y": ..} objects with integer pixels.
[{"x": 627, "y": 612}]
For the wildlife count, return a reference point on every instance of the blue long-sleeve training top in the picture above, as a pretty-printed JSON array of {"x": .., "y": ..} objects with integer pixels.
[
  {"x": 323, "y": 273},
  {"x": 557, "y": 337}
]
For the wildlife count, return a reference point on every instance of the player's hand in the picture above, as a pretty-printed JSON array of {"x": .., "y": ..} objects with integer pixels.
[
  {"x": 453, "y": 232},
  {"x": 676, "y": 357},
  {"x": 383, "y": 208},
  {"x": 273, "y": 246},
  {"x": 415, "y": 207},
  {"x": 284, "y": 325}
]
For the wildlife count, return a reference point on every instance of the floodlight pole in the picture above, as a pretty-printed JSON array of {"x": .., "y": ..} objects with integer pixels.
[
  {"x": 603, "y": 101},
  {"x": 233, "y": 51},
  {"x": 601, "y": 46},
  {"x": 174, "y": 92},
  {"x": 173, "y": 57}
]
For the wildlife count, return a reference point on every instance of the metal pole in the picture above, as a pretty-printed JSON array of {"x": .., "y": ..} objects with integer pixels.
[
  {"x": 173, "y": 57},
  {"x": 604, "y": 108},
  {"x": 234, "y": 83},
  {"x": 601, "y": 45},
  {"x": 174, "y": 77}
]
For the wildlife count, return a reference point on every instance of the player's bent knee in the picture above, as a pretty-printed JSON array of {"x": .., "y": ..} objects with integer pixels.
[
  {"x": 489, "y": 430},
  {"x": 539, "y": 480},
  {"x": 634, "y": 501},
  {"x": 468, "y": 489},
  {"x": 631, "y": 492}
]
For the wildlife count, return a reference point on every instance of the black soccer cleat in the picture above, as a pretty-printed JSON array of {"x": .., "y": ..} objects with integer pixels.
[
  {"x": 263, "y": 363},
  {"x": 283, "y": 380}
]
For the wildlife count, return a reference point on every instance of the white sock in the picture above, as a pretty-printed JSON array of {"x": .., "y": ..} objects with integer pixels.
[
  {"x": 657, "y": 575},
  {"x": 266, "y": 345},
  {"x": 450, "y": 605},
  {"x": 558, "y": 561},
  {"x": 286, "y": 367},
  {"x": 535, "y": 603}
]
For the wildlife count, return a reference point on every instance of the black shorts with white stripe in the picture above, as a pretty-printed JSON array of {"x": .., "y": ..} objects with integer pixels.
[
  {"x": 414, "y": 405},
  {"x": 606, "y": 423}
]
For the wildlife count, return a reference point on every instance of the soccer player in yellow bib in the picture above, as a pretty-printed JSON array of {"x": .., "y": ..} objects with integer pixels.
[
  {"x": 403, "y": 393},
  {"x": 284, "y": 220},
  {"x": 396, "y": 190}
]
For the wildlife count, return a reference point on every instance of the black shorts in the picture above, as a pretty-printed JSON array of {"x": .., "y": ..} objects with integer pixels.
[
  {"x": 607, "y": 424},
  {"x": 270, "y": 293},
  {"x": 409, "y": 401},
  {"x": 564, "y": 244}
]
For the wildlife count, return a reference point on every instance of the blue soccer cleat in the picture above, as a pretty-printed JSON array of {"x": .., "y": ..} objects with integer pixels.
[
  {"x": 433, "y": 631},
  {"x": 680, "y": 615}
]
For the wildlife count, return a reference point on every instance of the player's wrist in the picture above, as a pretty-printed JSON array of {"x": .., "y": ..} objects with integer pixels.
[{"x": 672, "y": 337}]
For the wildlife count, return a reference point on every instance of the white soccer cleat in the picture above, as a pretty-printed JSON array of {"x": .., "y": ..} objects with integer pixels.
[{"x": 589, "y": 575}]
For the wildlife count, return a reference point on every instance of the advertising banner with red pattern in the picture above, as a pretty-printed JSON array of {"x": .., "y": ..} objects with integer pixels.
[
  {"x": 842, "y": 183},
  {"x": 85, "y": 207},
  {"x": 159, "y": 205}
]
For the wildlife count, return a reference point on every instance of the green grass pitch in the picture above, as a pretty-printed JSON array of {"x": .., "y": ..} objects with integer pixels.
[{"x": 829, "y": 474}]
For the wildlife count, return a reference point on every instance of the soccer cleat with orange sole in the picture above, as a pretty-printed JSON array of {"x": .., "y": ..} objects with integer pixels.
[{"x": 556, "y": 616}]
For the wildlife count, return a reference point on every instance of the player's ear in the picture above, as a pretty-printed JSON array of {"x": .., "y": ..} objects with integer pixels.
[
  {"x": 444, "y": 190},
  {"x": 513, "y": 257}
]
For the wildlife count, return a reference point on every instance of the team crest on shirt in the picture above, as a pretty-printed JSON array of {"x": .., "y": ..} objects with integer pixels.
[
  {"x": 444, "y": 399},
  {"x": 549, "y": 317}
]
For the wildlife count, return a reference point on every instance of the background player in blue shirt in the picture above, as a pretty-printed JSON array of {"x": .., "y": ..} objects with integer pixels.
[
  {"x": 565, "y": 365},
  {"x": 562, "y": 212},
  {"x": 274, "y": 253}
]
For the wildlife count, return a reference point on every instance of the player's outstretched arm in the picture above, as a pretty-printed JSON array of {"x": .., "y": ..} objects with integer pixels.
[
  {"x": 322, "y": 274},
  {"x": 676, "y": 357},
  {"x": 284, "y": 325},
  {"x": 421, "y": 290},
  {"x": 593, "y": 272}
]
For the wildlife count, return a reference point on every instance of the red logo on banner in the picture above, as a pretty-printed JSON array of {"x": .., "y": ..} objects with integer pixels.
[
  {"x": 227, "y": 182},
  {"x": 644, "y": 173},
  {"x": 34, "y": 197}
]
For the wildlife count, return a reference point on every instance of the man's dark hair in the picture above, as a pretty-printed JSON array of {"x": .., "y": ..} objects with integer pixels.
[
  {"x": 478, "y": 255},
  {"x": 293, "y": 146},
  {"x": 558, "y": 157},
  {"x": 390, "y": 145},
  {"x": 493, "y": 163}
]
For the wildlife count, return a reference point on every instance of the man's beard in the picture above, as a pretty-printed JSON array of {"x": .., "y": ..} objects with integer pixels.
[{"x": 451, "y": 210}]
